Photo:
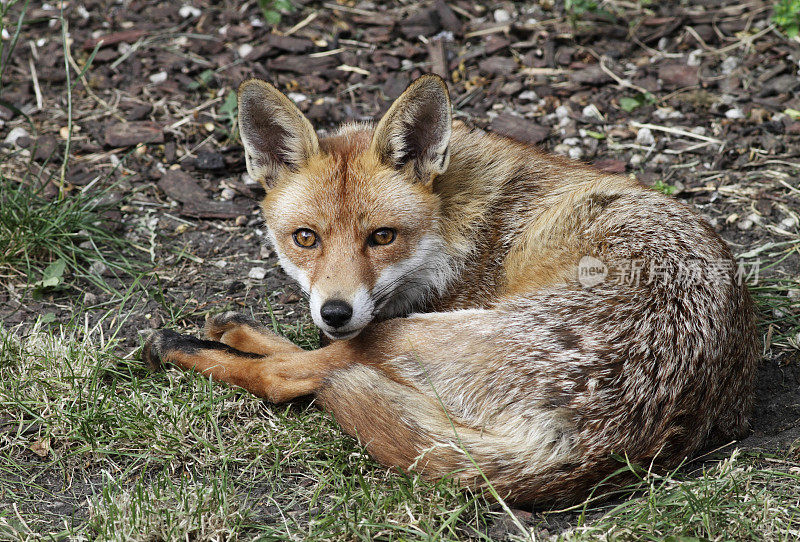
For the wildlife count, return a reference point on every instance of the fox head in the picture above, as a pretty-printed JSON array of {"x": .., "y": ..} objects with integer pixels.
[{"x": 353, "y": 217}]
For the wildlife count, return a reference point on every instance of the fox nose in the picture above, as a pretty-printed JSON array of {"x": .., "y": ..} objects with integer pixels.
[{"x": 336, "y": 313}]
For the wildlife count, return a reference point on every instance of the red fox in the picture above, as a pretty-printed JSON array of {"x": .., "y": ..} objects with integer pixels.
[{"x": 496, "y": 314}]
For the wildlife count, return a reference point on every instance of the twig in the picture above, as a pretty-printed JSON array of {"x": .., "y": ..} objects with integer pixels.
[
  {"x": 348, "y": 9},
  {"x": 622, "y": 82},
  {"x": 35, "y": 78},
  {"x": 354, "y": 69},
  {"x": 676, "y": 131},
  {"x": 63, "y": 173},
  {"x": 486, "y": 31},
  {"x": 190, "y": 114},
  {"x": 787, "y": 185},
  {"x": 301, "y": 24}
]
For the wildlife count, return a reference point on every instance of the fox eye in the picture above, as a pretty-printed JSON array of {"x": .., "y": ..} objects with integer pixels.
[
  {"x": 305, "y": 238},
  {"x": 382, "y": 236}
]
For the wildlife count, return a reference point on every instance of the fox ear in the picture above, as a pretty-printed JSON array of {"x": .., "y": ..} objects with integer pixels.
[
  {"x": 416, "y": 129},
  {"x": 275, "y": 134}
]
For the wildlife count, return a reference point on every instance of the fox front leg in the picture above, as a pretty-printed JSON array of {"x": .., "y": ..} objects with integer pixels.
[
  {"x": 245, "y": 334},
  {"x": 278, "y": 377}
]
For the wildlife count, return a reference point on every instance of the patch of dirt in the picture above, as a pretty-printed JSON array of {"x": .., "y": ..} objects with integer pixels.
[{"x": 696, "y": 97}]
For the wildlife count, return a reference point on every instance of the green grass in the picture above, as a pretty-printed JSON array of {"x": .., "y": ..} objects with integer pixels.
[
  {"x": 35, "y": 232},
  {"x": 178, "y": 442},
  {"x": 144, "y": 456}
]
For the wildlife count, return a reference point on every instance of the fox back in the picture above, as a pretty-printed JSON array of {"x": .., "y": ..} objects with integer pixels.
[{"x": 531, "y": 311}]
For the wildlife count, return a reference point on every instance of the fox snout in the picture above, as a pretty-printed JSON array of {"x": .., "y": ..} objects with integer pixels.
[{"x": 340, "y": 316}]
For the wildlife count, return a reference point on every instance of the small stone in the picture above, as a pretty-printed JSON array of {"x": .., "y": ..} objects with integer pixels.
[
  {"x": 241, "y": 220},
  {"x": 15, "y": 134},
  {"x": 98, "y": 268},
  {"x": 645, "y": 137},
  {"x": 221, "y": 264},
  {"x": 501, "y": 16},
  {"x": 528, "y": 96},
  {"x": 257, "y": 273},
  {"x": 89, "y": 299},
  {"x": 734, "y": 113},
  {"x": 591, "y": 111},
  {"x": 562, "y": 112},
  {"x": 561, "y": 149},
  {"x": 664, "y": 113},
  {"x": 576, "y": 153},
  {"x": 189, "y": 11},
  {"x": 745, "y": 224},
  {"x": 227, "y": 194},
  {"x": 789, "y": 223},
  {"x": 244, "y": 50},
  {"x": 158, "y": 78},
  {"x": 729, "y": 64}
]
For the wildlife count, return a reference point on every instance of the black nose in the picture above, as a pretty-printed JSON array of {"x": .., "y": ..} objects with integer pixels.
[{"x": 336, "y": 313}]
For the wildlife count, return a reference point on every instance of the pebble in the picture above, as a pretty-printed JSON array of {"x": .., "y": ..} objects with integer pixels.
[
  {"x": 227, "y": 194},
  {"x": 664, "y": 113},
  {"x": 636, "y": 159},
  {"x": 221, "y": 264},
  {"x": 591, "y": 111},
  {"x": 562, "y": 149},
  {"x": 257, "y": 273},
  {"x": 297, "y": 97},
  {"x": 562, "y": 112},
  {"x": 576, "y": 153},
  {"x": 794, "y": 294},
  {"x": 789, "y": 222},
  {"x": 501, "y": 16},
  {"x": 189, "y": 11},
  {"x": 745, "y": 224},
  {"x": 244, "y": 50},
  {"x": 15, "y": 134},
  {"x": 695, "y": 58},
  {"x": 729, "y": 64},
  {"x": 528, "y": 96},
  {"x": 734, "y": 113},
  {"x": 98, "y": 268},
  {"x": 645, "y": 137},
  {"x": 157, "y": 78}
]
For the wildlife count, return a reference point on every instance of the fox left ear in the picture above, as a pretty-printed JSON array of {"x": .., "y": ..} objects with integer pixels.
[
  {"x": 415, "y": 132},
  {"x": 275, "y": 133}
]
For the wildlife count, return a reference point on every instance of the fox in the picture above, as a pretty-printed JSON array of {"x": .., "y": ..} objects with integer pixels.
[{"x": 494, "y": 314}]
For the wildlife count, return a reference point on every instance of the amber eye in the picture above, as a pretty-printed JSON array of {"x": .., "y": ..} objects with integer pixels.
[
  {"x": 383, "y": 236},
  {"x": 305, "y": 238}
]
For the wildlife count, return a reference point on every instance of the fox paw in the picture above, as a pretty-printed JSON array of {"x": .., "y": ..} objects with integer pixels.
[
  {"x": 156, "y": 345},
  {"x": 217, "y": 325}
]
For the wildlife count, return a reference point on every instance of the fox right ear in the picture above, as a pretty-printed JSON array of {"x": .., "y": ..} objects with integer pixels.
[
  {"x": 415, "y": 132},
  {"x": 275, "y": 134}
]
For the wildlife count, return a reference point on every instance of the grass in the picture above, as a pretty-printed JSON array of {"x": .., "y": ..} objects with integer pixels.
[
  {"x": 136, "y": 456},
  {"x": 176, "y": 453}
]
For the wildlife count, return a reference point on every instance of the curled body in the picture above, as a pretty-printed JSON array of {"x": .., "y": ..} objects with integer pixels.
[{"x": 496, "y": 313}]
